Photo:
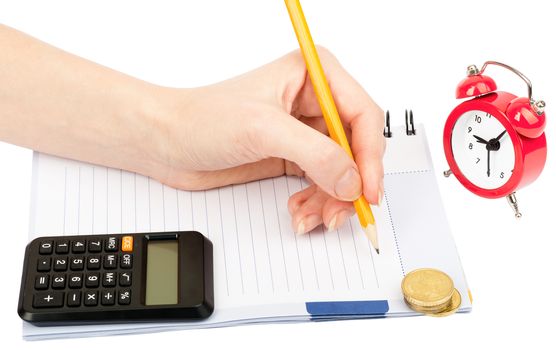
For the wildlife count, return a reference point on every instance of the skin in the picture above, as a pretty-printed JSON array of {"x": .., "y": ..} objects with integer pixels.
[{"x": 261, "y": 124}]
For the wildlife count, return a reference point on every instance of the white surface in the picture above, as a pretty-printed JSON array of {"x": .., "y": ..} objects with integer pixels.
[
  {"x": 406, "y": 54},
  {"x": 473, "y": 162},
  {"x": 263, "y": 271}
]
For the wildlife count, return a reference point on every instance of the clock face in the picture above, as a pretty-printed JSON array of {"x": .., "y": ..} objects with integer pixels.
[{"x": 482, "y": 149}]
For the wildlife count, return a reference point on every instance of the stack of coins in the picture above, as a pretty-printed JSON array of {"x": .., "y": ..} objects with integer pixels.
[{"x": 431, "y": 292}]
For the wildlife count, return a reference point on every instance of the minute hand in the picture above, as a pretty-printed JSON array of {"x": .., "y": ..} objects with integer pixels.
[{"x": 500, "y": 136}]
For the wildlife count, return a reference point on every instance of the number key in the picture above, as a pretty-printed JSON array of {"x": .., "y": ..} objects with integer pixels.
[
  {"x": 62, "y": 247},
  {"x": 59, "y": 281},
  {"x": 76, "y": 264},
  {"x": 95, "y": 246},
  {"x": 78, "y": 246},
  {"x": 75, "y": 280},
  {"x": 61, "y": 264},
  {"x": 45, "y": 247},
  {"x": 92, "y": 280},
  {"x": 93, "y": 262}
]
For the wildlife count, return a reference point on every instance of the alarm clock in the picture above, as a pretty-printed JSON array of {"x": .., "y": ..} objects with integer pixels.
[{"x": 494, "y": 141}]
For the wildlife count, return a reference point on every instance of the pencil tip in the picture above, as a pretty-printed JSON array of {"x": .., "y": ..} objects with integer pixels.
[{"x": 370, "y": 232}]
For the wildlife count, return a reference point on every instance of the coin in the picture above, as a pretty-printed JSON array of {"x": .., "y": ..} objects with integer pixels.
[
  {"x": 427, "y": 289},
  {"x": 452, "y": 308}
]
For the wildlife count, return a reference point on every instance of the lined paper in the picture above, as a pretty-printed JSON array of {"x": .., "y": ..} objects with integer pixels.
[{"x": 263, "y": 271}]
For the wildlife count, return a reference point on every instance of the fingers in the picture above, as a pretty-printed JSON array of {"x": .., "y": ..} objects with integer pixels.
[
  {"x": 363, "y": 117},
  {"x": 311, "y": 207},
  {"x": 325, "y": 162}
]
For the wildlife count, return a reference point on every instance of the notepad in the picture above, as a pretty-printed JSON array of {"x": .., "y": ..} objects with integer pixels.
[{"x": 263, "y": 271}]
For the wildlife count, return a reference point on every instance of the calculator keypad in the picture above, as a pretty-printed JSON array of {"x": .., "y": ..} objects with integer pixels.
[{"x": 81, "y": 272}]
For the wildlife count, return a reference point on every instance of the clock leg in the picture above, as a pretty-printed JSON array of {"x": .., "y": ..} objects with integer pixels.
[
  {"x": 447, "y": 173},
  {"x": 512, "y": 200}
]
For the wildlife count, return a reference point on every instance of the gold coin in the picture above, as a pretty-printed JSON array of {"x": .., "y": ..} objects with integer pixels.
[
  {"x": 427, "y": 288},
  {"x": 452, "y": 308}
]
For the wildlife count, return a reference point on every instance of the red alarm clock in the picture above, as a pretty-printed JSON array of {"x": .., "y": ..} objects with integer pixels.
[{"x": 494, "y": 142}]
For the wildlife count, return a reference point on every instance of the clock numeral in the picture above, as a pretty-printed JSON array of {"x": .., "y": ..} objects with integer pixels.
[
  {"x": 470, "y": 145},
  {"x": 478, "y": 119},
  {"x": 469, "y": 129},
  {"x": 478, "y": 160},
  {"x": 502, "y": 175}
]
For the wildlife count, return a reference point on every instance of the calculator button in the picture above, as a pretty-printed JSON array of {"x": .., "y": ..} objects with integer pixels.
[
  {"x": 62, "y": 247},
  {"x": 74, "y": 298},
  {"x": 58, "y": 281},
  {"x": 127, "y": 243},
  {"x": 95, "y": 246},
  {"x": 41, "y": 282},
  {"x": 48, "y": 299},
  {"x": 43, "y": 264},
  {"x": 92, "y": 280},
  {"x": 76, "y": 264},
  {"x": 45, "y": 247},
  {"x": 109, "y": 279},
  {"x": 91, "y": 298},
  {"x": 93, "y": 262},
  {"x": 126, "y": 262},
  {"x": 108, "y": 297},
  {"x": 124, "y": 296},
  {"x": 78, "y": 246},
  {"x": 125, "y": 279},
  {"x": 111, "y": 244},
  {"x": 110, "y": 261},
  {"x": 61, "y": 264},
  {"x": 75, "y": 280}
]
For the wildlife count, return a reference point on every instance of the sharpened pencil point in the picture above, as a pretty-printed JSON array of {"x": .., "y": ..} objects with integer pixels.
[{"x": 370, "y": 232}]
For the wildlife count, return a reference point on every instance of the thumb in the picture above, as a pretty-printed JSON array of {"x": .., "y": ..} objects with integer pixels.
[{"x": 324, "y": 161}]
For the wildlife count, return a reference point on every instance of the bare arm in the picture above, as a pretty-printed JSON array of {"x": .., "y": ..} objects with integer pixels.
[
  {"x": 58, "y": 103},
  {"x": 261, "y": 124}
]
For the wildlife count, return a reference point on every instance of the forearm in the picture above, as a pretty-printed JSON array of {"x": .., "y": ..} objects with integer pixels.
[{"x": 57, "y": 103}]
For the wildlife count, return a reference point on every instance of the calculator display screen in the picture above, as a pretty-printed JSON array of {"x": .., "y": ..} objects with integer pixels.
[{"x": 162, "y": 272}]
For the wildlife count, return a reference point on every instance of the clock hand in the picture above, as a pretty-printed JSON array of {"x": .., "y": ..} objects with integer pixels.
[
  {"x": 480, "y": 139},
  {"x": 500, "y": 136},
  {"x": 488, "y": 162}
]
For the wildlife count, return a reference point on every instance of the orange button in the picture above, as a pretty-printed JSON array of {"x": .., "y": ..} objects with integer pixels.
[{"x": 127, "y": 243}]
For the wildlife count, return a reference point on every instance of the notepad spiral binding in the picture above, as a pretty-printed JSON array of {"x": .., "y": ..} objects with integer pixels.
[{"x": 409, "y": 124}]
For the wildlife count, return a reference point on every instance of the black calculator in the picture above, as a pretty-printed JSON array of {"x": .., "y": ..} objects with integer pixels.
[{"x": 140, "y": 277}]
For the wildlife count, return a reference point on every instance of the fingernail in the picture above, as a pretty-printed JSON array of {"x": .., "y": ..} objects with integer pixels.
[
  {"x": 308, "y": 223},
  {"x": 300, "y": 227},
  {"x": 338, "y": 219},
  {"x": 332, "y": 223},
  {"x": 349, "y": 185}
]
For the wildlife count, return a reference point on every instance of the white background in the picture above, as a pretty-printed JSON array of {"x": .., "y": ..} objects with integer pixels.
[{"x": 407, "y": 54}]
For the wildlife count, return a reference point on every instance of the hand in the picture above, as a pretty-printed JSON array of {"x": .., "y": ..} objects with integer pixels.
[
  {"x": 480, "y": 139},
  {"x": 268, "y": 123},
  {"x": 261, "y": 124}
]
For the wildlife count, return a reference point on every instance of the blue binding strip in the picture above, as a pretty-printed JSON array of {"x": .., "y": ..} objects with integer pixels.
[{"x": 347, "y": 308}]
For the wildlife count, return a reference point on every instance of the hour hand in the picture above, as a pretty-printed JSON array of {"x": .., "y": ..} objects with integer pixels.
[{"x": 480, "y": 139}]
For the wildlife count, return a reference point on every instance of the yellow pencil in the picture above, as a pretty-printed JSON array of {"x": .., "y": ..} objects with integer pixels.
[{"x": 328, "y": 107}]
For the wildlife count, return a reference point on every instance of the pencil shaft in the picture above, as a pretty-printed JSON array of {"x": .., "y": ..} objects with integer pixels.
[{"x": 325, "y": 99}]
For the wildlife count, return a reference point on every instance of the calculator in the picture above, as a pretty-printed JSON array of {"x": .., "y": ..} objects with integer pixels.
[{"x": 140, "y": 277}]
